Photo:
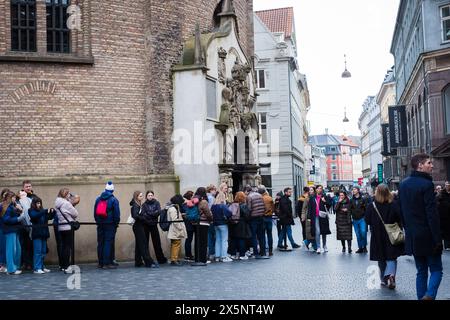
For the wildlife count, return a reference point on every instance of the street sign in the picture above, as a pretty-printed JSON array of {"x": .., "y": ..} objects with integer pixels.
[{"x": 380, "y": 173}]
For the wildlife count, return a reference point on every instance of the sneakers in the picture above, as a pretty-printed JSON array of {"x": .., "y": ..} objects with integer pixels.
[
  {"x": 3, "y": 269},
  {"x": 365, "y": 250},
  {"x": 243, "y": 258},
  {"x": 15, "y": 273},
  {"x": 235, "y": 257},
  {"x": 69, "y": 270},
  {"x": 318, "y": 251},
  {"x": 176, "y": 263},
  {"x": 39, "y": 271},
  {"x": 154, "y": 265},
  {"x": 46, "y": 270},
  {"x": 216, "y": 260},
  {"x": 343, "y": 249},
  {"x": 350, "y": 250},
  {"x": 360, "y": 250},
  {"x": 296, "y": 246},
  {"x": 325, "y": 249},
  {"x": 227, "y": 259}
]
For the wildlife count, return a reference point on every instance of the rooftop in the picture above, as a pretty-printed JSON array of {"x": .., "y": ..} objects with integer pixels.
[{"x": 278, "y": 20}]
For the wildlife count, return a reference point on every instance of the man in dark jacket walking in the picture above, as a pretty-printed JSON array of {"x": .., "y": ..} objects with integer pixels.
[
  {"x": 286, "y": 219},
  {"x": 107, "y": 217},
  {"x": 358, "y": 205},
  {"x": 422, "y": 228}
]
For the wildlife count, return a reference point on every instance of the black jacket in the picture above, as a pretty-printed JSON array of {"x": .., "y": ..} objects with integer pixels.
[
  {"x": 420, "y": 216},
  {"x": 285, "y": 214},
  {"x": 344, "y": 229},
  {"x": 241, "y": 230},
  {"x": 40, "y": 218},
  {"x": 323, "y": 222},
  {"x": 150, "y": 212},
  {"x": 381, "y": 248},
  {"x": 358, "y": 207}
]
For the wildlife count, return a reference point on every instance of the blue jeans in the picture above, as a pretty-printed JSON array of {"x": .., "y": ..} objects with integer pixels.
[
  {"x": 317, "y": 235},
  {"x": 105, "y": 239},
  {"x": 257, "y": 226},
  {"x": 221, "y": 241},
  {"x": 434, "y": 263},
  {"x": 387, "y": 268},
  {"x": 211, "y": 240},
  {"x": 268, "y": 230},
  {"x": 39, "y": 251},
  {"x": 286, "y": 230},
  {"x": 13, "y": 252},
  {"x": 361, "y": 232},
  {"x": 2, "y": 248}
]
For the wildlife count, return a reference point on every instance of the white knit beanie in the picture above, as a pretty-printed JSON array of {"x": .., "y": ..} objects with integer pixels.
[{"x": 109, "y": 186}]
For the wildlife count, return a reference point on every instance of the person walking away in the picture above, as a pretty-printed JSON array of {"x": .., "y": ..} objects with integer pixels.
[
  {"x": 12, "y": 216},
  {"x": 177, "y": 230},
  {"x": 221, "y": 215},
  {"x": 344, "y": 221},
  {"x": 299, "y": 209},
  {"x": 66, "y": 214},
  {"x": 141, "y": 251},
  {"x": 309, "y": 238},
  {"x": 358, "y": 208},
  {"x": 443, "y": 203},
  {"x": 286, "y": 219},
  {"x": 40, "y": 217},
  {"x": 381, "y": 249},
  {"x": 319, "y": 225},
  {"x": 107, "y": 217},
  {"x": 422, "y": 226}
]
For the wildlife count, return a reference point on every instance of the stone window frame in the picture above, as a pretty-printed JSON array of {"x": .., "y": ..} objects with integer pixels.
[
  {"x": 446, "y": 109},
  {"x": 443, "y": 21},
  {"x": 80, "y": 40}
]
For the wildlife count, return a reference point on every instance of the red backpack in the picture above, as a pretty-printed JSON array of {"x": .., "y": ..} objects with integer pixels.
[{"x": 101, "y": 211}]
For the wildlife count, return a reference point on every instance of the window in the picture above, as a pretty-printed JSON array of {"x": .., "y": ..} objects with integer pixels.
[
  {"x": 267, "y": 182},
  {"x": 58, "y": 34},
  {"x": 334, "y": 176},
  {"x": 23, "y": 25},
  {"x": 447, "y": 109},
  {"x": 211, "y": 99},
  {"x": 333, "y": 167},
  {"x": 333, "y": 157},
  {"x": 262, "y": 127},
  {"x": 445, "y": 18},
  {"x": 332, "y": 148},
  {"x": 260, "y": 79},
  {"x": 247, "y": 150}
]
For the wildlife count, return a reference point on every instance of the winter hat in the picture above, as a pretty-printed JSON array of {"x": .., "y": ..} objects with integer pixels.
[{"x": 109, "y": 186}]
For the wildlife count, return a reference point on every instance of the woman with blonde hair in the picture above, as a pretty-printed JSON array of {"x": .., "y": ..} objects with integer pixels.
[{"x": 381, "y": 249}]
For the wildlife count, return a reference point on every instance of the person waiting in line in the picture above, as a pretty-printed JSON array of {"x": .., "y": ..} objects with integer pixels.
[
  {"x": 177, "y": 230},
  {"x": 25, "y": 233},
  {"x": 200, "y": 200},
  {"x": 40, "y": 217},
  {"x": 151, "y": 210},
  {"x": 344, "y": 221},
  {"x": 141, "y": 251},
  {"x": 2, "y": 236},
  {"x": 66, "y": 214},
  {"x": 221, "y": 216},
  {"x": 240, "y": 230},
  {"x": 255, "y": 204},
  {"x": 188, "y": 257},
  {"x": 12, "y": 216},
  {"x": 309, "y": 238},
  {"x": 381, "y": 249},
  {"x": 268, "y": 223},
  {"x": 211, "y": 192}
]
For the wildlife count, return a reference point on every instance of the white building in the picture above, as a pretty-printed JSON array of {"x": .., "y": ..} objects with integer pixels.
[
  {"x": 316, "y": 165},
  {"x": 371, "y": 141},
  {"x": 283, "y": 101},
  {"x": 215, "y": 125}
]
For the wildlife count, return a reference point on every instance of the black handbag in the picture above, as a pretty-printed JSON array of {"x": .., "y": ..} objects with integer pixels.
[{"x": 74, "y": 225}]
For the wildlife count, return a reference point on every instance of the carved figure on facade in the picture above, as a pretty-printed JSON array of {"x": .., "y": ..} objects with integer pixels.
[{"x": 222, "y": 66}]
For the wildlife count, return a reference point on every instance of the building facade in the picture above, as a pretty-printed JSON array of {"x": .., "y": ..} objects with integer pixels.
[
  {"x": 338, "y": 151},
  {"x": 421, "y": 48},
  {"x": 283, "y": 102},
  {"x": 89, "y": 98},
  {"x": 316, "y": 165}
]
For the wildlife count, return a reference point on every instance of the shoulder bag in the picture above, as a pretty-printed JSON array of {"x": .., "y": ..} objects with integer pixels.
[{"x": 395, "y": 233}]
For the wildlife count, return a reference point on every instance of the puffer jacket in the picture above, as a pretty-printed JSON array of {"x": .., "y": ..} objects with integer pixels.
[
  {"x": 150, "y": 212},
  {"x": 65, "y": 212}
]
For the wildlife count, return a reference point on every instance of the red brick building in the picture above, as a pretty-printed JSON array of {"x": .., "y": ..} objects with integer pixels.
[{"x": 83, "y": 105}]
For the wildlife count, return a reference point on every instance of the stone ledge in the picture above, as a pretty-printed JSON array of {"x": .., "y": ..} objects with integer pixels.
[
  {"x": 46, "y": 59},
  {"x": 89, "y": 180}
]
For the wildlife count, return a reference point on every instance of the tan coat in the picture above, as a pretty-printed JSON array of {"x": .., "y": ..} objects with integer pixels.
[
  {"x": 268, "y": 204},
  {"x": 177, "y": 230}
]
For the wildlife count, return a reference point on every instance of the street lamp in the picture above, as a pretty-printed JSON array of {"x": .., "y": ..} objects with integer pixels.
[
  {"x": 345, "y": 115},
  {"x": 346, "y": 73}
]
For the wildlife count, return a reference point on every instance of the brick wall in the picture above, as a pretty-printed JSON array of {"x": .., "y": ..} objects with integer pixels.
[{"x": 112, "y": 117}]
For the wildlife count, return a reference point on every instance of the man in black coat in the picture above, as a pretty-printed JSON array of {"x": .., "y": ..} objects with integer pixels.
[
  {"x": 422, "y": 227},
  {"x": 443, "y": 203},
  {"x": 286, "y": 219}
]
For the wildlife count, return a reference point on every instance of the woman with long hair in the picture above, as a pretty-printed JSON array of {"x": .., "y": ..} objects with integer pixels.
[
  {"x": 344, "y": 221},
  {"x": 221, "y": 215},
  {"x": 141, "y": 250},
  {"x": 381, "y": 249}
]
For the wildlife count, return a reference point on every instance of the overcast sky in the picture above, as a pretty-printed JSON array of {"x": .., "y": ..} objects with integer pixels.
[{"x": 328, "y": 29}]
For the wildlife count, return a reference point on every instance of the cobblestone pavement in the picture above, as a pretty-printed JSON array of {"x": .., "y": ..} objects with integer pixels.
[{"x": 295, "y": 275}]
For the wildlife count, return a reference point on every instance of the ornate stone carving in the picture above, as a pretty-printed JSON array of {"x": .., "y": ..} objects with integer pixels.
[{"x": 221, "y": 65}]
